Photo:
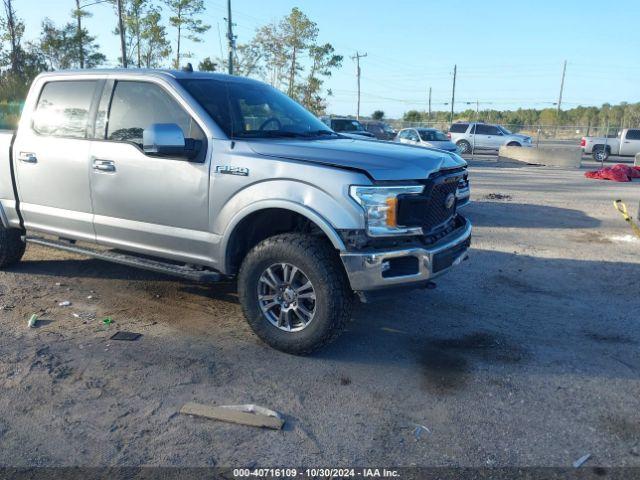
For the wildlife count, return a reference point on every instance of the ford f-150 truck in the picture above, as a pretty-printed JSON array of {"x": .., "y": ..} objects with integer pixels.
[
  {"x": 209, "y": 177},
  {"x": 627, "y": 144}
]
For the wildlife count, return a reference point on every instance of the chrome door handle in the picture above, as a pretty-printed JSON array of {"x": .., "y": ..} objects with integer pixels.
[
  {"x": 104, "y": 165},
  {"x": 27, "y": 157}
]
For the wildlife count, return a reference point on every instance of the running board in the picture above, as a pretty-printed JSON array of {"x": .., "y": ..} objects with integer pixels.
[{"x": 144, "y": 263}]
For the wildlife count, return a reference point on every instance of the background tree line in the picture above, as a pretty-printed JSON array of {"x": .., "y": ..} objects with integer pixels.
[
  {"x": 622, "y": 115},
  {"x": 286, "y": 53}
]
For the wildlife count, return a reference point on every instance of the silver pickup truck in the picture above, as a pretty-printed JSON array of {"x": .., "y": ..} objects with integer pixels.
[
  {"x": 627, "y": 143},
  {"x": 210, "y": 177}
]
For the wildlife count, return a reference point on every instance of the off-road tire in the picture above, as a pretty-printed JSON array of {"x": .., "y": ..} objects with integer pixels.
[
  {"x": 321, "y": 264},
  {"x": 11, "y": 246},
  {"x": 464, "y": 146}
]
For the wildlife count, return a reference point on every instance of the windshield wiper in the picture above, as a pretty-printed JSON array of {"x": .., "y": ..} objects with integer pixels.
[
  {"x": 320, "y": 132},
  {"x": 270, "y": 134}
]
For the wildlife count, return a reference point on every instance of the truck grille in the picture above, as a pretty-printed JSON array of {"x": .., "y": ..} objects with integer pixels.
[
  {"x": 429, "y": 210},
  {"x": 438, "y": 213}
]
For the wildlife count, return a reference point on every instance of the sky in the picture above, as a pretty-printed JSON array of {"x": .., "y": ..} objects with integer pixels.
[{"x": 508, "y": 54}]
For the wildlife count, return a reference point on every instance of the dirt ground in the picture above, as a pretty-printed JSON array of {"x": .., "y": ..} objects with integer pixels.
[{"x": 526, "y": 355}]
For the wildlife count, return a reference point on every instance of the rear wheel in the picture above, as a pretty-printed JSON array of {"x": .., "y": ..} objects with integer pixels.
[
  {"x": 11, "y": 246},
  {"x": 463, "y": 146},
  {"x": 294, "y": 292},
  {"x": 599, "y": 153}
]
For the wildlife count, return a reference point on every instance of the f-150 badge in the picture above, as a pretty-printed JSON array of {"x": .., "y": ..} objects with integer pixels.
[{"x": 229, "y": 170}]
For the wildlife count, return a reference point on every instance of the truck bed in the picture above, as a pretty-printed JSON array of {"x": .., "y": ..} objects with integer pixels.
[{"x": 613, "y": 143}]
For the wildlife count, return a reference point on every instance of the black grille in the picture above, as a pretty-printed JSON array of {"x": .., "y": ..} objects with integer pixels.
[
  {"x": 438, "y": 213},
  {"x": 429, "y": 210}
]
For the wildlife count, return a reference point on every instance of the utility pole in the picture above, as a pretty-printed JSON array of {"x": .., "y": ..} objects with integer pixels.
[
  {"x": 357, "y": 58},
  {"x": 78, "y": 13},
  {"x": 123, "y": 47},
  {"x": 429, "y": 103},
  {"x": 564, "y": 71},
  {"x": 453, "y": 91},
  {"x": 230, "y": 38}
]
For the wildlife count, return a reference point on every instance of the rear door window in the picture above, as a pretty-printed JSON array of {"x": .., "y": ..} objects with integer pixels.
[
  {"x": 138, "y": 105},
  {"x": 485, "y": 130},
  {"x": 63, "y": 108}
]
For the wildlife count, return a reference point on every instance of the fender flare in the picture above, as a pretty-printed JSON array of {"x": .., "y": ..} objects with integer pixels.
[
  {"x": 604, "y": 147},
  {"x": 283, "y": 204}
]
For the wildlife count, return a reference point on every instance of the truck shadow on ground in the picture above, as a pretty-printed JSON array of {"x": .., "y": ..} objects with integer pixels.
[
  {"x": 86, "y": 268},
  {"x": 508, "y": 214},
  {"x": 99, "y": 269},
  {"x": 498, "y": 311},
  {"x": 487, "y": 315}
]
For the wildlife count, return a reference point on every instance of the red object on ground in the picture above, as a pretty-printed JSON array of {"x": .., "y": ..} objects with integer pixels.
[{"x": 617, "y": 173}]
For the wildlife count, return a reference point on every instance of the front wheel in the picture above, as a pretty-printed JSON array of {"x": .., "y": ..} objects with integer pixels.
[
  {"x": 11, "y": 246},
  {"x": 294, "y": 292},
  {"x": 513, "y": 144}
]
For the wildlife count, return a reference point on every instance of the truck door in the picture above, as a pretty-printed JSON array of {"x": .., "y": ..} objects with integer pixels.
[
  {"x": 630, "y": 144},
  {"x": 51, "y": 157},
  {"x": 152, "y": 205}
]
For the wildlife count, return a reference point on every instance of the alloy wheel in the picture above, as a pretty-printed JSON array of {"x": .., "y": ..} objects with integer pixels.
[{"x": 286, "y": 296}]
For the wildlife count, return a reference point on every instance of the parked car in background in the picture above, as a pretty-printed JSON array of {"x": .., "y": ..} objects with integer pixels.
[
  {"x": 626, "y": 144},
  {"x": 350, "y": 126},
  {"x": 426, "y": 137},
  {"x": 381, "y": 130},
  {"x": 483, "y": 136}
]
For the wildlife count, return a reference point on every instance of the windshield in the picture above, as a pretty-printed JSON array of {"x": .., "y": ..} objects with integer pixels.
[
  {"x": 504, "y": 130},
  {"x": 254, "y": 110},
  {"x": 346, "y": 125},
  {"x": 432, "y": 136},
  {"x": 387, "y": 129}
]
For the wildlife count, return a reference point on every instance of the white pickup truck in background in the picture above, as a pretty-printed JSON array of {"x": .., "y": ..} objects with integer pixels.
[{"x": 626, "y": 144}]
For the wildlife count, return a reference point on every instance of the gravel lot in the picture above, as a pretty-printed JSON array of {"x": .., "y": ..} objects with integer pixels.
[{"x": 526, "y": 355}]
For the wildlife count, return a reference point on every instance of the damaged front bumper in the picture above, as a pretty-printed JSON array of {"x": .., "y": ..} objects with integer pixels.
[{"x": 375, "y": 270}]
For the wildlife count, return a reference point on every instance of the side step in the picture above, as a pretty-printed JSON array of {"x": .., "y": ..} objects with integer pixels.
[{"x": 144, "y": 263}]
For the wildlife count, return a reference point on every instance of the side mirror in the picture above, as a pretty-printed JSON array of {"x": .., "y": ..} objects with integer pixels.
[{"x": 167, "y": 140}]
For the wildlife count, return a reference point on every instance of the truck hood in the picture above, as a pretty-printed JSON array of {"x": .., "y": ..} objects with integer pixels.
[{"x": 381, "y": 160}]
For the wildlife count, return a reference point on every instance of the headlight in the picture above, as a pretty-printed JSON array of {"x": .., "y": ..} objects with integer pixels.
[{"x": 380, "y": 205}]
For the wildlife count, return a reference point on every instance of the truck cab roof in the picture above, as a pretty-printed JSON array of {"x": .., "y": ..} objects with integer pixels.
[{"x": 161, "y": 73}]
